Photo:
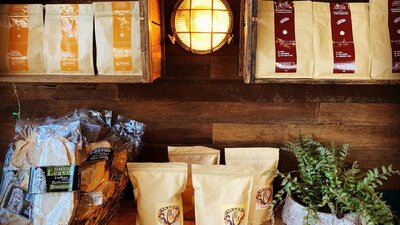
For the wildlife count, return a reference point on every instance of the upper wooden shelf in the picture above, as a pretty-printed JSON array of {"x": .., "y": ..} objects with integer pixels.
[
  {"x": 17, "y": 78},
  {"x": 138, "y": 79}
]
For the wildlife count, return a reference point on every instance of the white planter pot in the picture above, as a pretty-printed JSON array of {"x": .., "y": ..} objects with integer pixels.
[{"x": 294, "y": 213}]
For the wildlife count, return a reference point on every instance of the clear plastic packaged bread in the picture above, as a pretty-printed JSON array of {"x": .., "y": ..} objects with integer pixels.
[{"x": 68, "y": 170}]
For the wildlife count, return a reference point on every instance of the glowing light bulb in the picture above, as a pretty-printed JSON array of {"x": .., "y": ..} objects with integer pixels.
[
  {"x": 202, "y": 26},
  {"x": 202, "y": 21}
]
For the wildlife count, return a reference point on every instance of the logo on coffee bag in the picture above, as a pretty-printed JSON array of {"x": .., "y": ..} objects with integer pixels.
[
  {"x": 234, "y": 215},
  {"x": 169, "y": 215},
  {"x": 263, "y": 198}
]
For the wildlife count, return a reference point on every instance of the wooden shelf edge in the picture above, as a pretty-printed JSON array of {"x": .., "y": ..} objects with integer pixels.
[
  {"x": 71, "y": 78},
  {"x": 326, "y": 81},
  {"x": 19, "y": 78}
]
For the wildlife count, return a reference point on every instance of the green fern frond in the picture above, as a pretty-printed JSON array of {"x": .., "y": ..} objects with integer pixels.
[{"x": 325, "y": 181}]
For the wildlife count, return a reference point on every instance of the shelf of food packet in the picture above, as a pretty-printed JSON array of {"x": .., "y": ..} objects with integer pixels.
[
  {"x": 139, "y": 79},
  {"x": 127, "y": 215},
  {"x": 71, "y": 79}
]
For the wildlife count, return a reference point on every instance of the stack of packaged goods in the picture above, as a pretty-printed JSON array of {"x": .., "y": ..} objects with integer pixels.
[{"x": 69, "y": 170}]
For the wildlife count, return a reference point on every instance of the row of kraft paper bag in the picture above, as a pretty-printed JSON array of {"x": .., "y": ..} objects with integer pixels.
[
  {"x": 194, "y": 186},
  {"x": 63, "y": 43},
  {"x": 304, "y": 39}
]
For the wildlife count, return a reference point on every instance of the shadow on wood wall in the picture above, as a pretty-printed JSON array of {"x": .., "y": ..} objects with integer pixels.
[{"x": 222, "y": 113}]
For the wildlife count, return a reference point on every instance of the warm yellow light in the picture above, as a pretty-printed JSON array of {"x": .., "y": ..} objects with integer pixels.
[{"x": 202, "y": 26}]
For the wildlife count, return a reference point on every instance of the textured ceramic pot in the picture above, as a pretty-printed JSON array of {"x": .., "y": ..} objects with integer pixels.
[{"x": 294, "y": 213}]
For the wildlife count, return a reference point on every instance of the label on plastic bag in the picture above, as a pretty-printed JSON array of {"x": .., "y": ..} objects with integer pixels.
[
  {"x": 18, "y": 178},
  {"x": 342, "y": 38},
  {"x": 285, "y": 38},
  {"x": 18, "y": 37},
  {"x": 69, "y": 37},
  {"x": 17, "y": 201},
  {"x": 54, "y": 179},
  {"x": 394, "y": 30},
  {"x": 99, "y": 154},
  {"x": 122, "y": 50}
]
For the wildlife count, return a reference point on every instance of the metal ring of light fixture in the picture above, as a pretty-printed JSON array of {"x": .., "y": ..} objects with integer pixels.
[{"x": 214, "y": 26}]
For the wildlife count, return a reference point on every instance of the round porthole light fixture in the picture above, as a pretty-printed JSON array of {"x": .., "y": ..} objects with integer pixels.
[{"x": 201, "y": 26}]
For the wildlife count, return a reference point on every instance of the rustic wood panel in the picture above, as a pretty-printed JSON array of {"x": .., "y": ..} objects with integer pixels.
[
  {"x": 227, "y": 113},
  {"x": 264, "y": 134},
  {"x": 7, "y": 131},
  {"x": 183, "y": 112},
  {"x": 59, "y": 91},
  {"x": 360, "y": 114},
  {"x": 206, "y": 90},
  {"x": 228, "y": 90},
  {"x": 179, "y": 133}
]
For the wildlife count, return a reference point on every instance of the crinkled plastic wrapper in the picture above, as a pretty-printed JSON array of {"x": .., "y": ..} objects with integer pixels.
[
  {"x": 104, "y": 173},
  {"x": 69, "y": 170},
  {"x": 40, "y": 144}
]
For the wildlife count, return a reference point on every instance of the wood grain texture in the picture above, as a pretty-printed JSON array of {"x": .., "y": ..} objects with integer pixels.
[
  {"x": 232, "y": 90},
  {"x": 360, "y": 114},
  {"x": 265, "y": 134},
  {"x": 183, "y": 112},
  {"x": 201, "y": 100},
  {"x": 179, "y": 133},
  {"x": 228, "y": 113}
]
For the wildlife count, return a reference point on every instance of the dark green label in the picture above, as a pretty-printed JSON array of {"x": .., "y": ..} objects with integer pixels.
[{"x": 54, "y": 179}]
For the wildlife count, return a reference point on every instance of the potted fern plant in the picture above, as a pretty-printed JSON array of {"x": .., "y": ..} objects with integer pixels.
[{"x": 327, "y": 191}]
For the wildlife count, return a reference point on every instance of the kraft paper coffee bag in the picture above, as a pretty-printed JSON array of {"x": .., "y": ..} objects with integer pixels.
[
  {"x": 385, "y": 34},
  {"x": 265, "y": 164},
  {"x": 222, "y": 194},
  {"x": 21, "y": 40},
  {"x": 342, "y": 46},
  {"x": 68, "y": 39},
  {"x": 284, "y": 39},
  {"x": 157, "y": 188},
  {"x": 118, "y": 38},
  {"x": 192, "y": 155}
]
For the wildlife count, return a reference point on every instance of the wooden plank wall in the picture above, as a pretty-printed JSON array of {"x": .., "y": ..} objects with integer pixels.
[
  {"x": 202, "y": 101},
  {"x": 222, "y": 113}
]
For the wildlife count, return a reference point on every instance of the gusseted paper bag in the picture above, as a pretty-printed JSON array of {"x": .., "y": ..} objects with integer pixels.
[
  {"x": 385, "y": 34},
  {"x": 68, "y": 39},
  {"x": 342, "y": 46},
  {"x": 21, "y": 40},
  {"x": 265, "y": 164},
  {"x": 118, "y": 38},
  {"x": 157, "y": 188},
  {"x": 284, "y": 40},
  {"x": 192, "y": 155},
  {"x": 222, "y": 194}
]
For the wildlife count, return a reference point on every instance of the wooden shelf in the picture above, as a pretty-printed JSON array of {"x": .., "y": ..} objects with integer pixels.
[
  {"x": 23, "y": 78},
  {"x": 328, "y": 81},
  {"x": 19, "y": 78},
  {"x": 127, "y": 215}
]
